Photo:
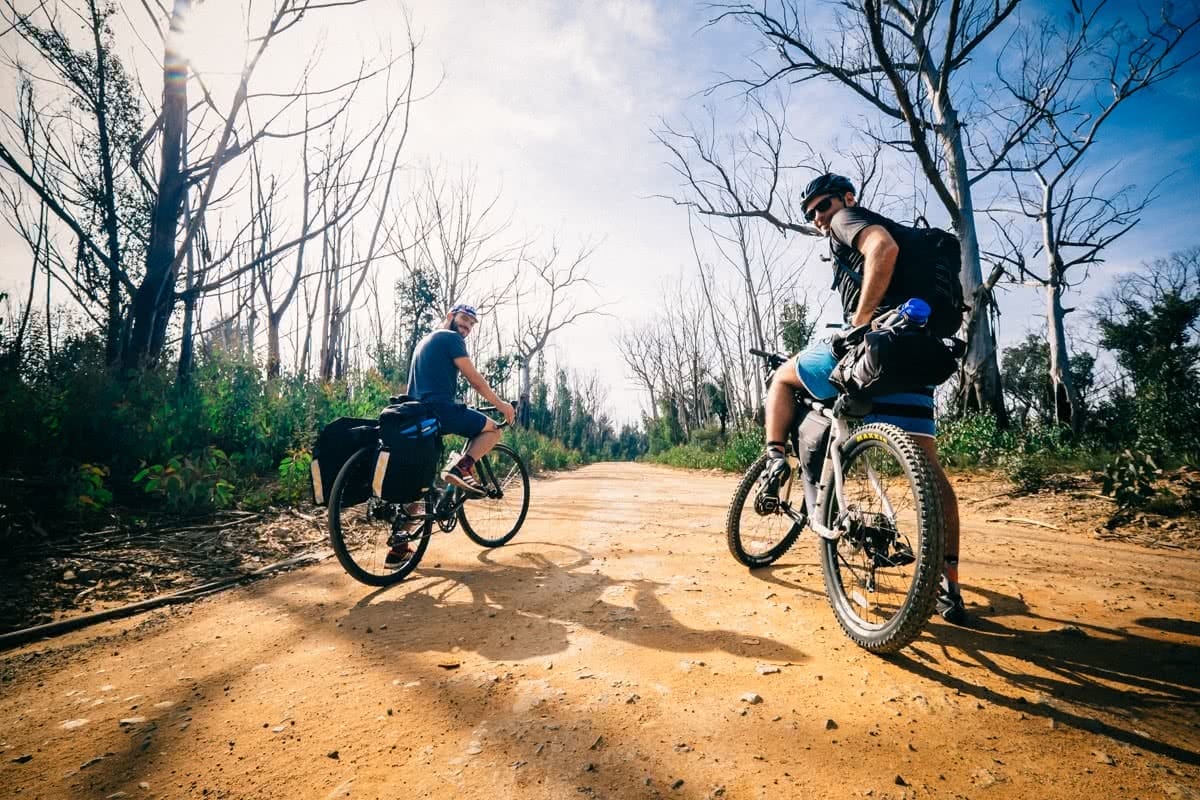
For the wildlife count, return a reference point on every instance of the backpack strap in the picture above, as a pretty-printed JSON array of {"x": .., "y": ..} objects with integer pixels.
[
  {"x": 840, "y": 267},
  {"x": 852, "y": 274}
]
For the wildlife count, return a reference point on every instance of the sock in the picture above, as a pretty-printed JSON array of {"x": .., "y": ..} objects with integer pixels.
[
  {"x": 952, "y": 574},
  {"x": 413, "y": 509},
  {"x": 465, "y": 464},
  {"x": 777, "y": 448}
]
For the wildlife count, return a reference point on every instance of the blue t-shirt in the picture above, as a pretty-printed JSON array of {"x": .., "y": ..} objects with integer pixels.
[{"x": 433, "y": 378}]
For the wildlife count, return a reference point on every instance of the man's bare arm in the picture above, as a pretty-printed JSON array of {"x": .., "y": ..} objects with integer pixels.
[
  {"x": 467, "y": 368},
  {"x": 879, "y": 251}
]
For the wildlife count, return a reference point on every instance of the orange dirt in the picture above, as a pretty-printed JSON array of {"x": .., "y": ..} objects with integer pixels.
[{"x": 609, "y": 651}]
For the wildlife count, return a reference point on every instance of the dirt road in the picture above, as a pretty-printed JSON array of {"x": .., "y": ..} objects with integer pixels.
[{"x": 615, "y": 650}]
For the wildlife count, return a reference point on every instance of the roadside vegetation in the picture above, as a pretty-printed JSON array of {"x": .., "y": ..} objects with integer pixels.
[{"x": 85, "y": 438}]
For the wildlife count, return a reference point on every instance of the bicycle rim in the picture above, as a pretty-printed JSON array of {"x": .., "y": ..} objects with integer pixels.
[
  {"x": 882, "y": 574},
  {"x": 757, "y": 539},
  {"x": 495, "y": 519},
  {"x": 362, "y": 533}
]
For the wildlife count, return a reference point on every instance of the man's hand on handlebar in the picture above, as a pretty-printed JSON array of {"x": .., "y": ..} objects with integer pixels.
[{"x": 507, "y": 409}]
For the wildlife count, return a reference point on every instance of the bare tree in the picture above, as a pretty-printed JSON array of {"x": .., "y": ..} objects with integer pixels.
[
  {"x": 905, "y": 60},
  {"x": 462, "y": 237},
  {"x": 155, "y": 297},
  {"x": 556, "y": 281},
  {"x": 79, "y": 150},
  {"x": 122, "y": 200},
  {"x": 643, "y": 354},
  {"x": 1072, "y": 82}
]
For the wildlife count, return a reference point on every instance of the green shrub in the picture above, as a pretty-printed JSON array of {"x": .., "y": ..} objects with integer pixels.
[
  {"x": 1026, "y": 471},
  {"x": 86, "y": 494},
  {"x": 190, "y": 483},
  {"x": 539, "y": 452},
  {"x": 972, "y": 440},
  {"x": 707, "y": 451},
  {"x": 690, "y": 456},
  {"x": 295, "y": 478},
  {"x": 742, "y": 450},
  {"x": 1130, "y": 480}
]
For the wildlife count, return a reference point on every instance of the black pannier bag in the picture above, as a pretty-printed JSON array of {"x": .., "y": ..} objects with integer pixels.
[
  {"x": 410, "y": 449},
  {"x": 338, "y": 441},
  {"x": 812, "y": 439},
  {"x": 896, "y": 360}
]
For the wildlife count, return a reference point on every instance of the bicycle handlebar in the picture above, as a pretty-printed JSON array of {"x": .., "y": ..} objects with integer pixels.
[
  {"x": 774, "y": 360},
  {"x": 516, "y": 404}
]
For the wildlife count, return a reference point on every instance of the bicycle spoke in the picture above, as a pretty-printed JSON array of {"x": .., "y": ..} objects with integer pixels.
[
  {"x": 493, "y": 520},
  {"x": 875, "y": 562},
  {"x": 758, "y": 533},
  {"x": 363, "y": 533}
]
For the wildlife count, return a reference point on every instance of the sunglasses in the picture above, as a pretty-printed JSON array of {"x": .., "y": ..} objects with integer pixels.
[{"x": 819, "y": 208}]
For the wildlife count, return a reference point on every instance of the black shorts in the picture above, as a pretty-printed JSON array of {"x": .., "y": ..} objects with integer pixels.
[{"x": 459, "y": 419}]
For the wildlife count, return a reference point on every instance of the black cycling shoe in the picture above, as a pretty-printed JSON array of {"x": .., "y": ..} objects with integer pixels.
[
  {"x": 774, "y": 475},
  {"x": 951, "y": 608},
  {"x": 901, "y": 556}
]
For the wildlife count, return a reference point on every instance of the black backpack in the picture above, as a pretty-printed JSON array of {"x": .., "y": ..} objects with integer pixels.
[{"x": 933, "y": 259}]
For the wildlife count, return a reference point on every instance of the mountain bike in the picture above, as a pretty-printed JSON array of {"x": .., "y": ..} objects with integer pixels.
[
  {"x": 363, "y": 532},
  {"x": 875, "y": 509}
]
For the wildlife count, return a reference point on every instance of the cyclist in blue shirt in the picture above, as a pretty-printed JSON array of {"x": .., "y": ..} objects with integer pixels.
[{"x": 438, "y": 360}]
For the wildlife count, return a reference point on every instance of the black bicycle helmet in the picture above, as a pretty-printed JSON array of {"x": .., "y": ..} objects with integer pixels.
[{"x": 829, "y": 183}]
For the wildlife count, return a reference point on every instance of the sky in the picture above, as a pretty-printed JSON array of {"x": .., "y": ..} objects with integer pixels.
[{"x": 554, "y": 104}]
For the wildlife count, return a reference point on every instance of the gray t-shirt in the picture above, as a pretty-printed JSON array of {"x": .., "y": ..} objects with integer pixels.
[
  {"x": 433, "y": 377},
  {"x": 848, "y": 262}
]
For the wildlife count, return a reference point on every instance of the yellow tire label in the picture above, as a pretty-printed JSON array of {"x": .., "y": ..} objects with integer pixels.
[{"x": 862, "y": 437}]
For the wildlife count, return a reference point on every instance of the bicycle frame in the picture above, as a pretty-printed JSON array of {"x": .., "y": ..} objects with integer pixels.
[
  {"x": 831, "y": 469},
  {"x": 831, "y": 466}
]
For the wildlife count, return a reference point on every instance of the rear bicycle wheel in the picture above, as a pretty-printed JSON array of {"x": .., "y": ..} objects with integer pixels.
[
  {"x": 882, "y": 573},
  {"x": 362, "y": 533},
  {"x": 757, "y": 537},
  {"x": 494, "y": 519}
]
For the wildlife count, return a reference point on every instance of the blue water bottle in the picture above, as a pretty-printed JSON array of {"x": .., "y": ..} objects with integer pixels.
[{"x": 914, "y": 313}]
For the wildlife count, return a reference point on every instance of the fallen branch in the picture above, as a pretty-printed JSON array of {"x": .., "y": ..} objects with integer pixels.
[
  {"x": 1024, "y": 521},
  {"x": 50, "y": 629}
]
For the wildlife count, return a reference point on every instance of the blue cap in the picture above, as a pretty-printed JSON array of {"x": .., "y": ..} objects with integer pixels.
[{"x": 916, "y": 310}]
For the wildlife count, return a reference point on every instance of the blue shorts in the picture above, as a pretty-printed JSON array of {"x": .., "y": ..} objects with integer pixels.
[
  {"x": 458, "y": 418},
  {"x": 910, "y": 411}
]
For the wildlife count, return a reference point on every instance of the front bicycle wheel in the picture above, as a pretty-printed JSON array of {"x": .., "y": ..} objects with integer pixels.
[
  {"x": 494, "y": 519},
  {"x": 882, "y": 573},
  {"x": 759, "y": 534},
  {"x": 363, "y": 532}
]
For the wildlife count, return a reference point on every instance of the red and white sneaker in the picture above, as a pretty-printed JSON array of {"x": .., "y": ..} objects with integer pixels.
[{"x": 464, "y": 480}]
